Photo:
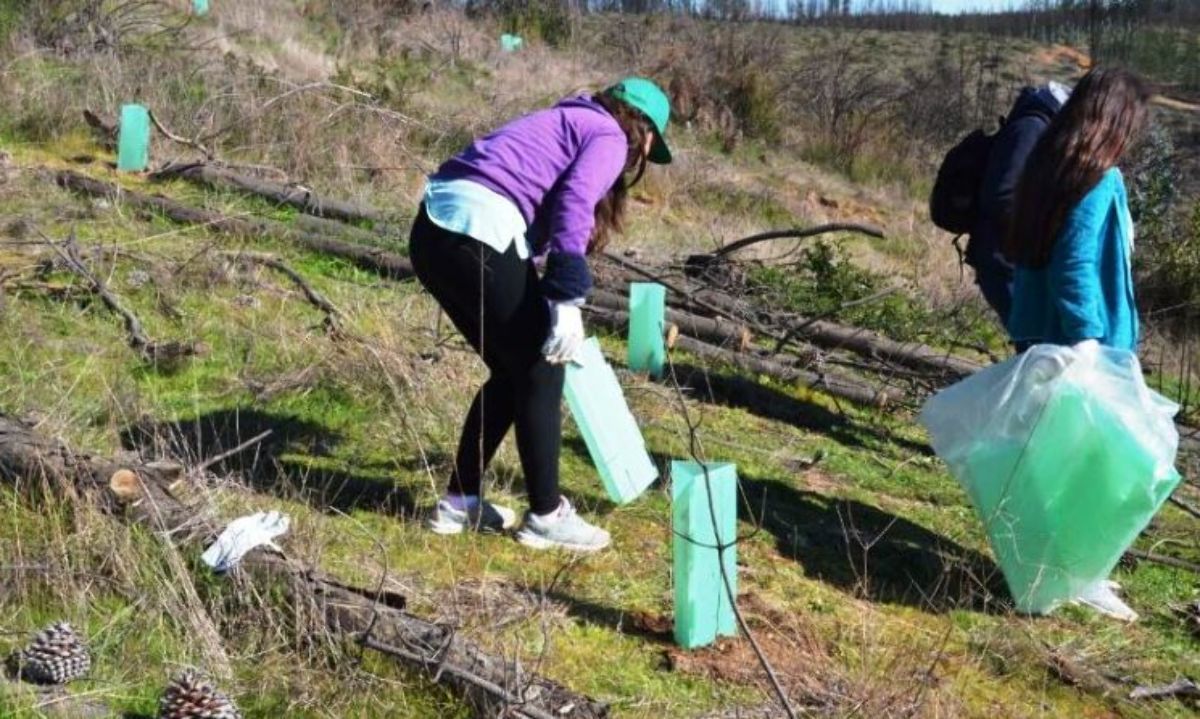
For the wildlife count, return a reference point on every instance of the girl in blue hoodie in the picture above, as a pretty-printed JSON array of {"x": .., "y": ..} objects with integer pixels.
[{"x": 1071, "y": 238}]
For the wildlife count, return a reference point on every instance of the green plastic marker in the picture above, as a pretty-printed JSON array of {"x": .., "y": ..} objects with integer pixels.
[
  {"x": 133, "y": 141},
  {"x": 511, "y": 43},
  {"x": 702, "y": 608},
  {"x": 647, "y": 311},
  {"x": 200, "y": 7},
  {"x": 611, "y": 433}
]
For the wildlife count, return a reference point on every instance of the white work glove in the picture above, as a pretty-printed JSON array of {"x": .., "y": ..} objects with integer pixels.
[
  {"x": 242, "y": 535},
  {"x": 1087, "y": 349},
  {"x": 566, "y": 333}
]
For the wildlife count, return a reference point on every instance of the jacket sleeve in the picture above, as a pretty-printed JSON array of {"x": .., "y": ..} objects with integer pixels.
[
  {"x": 1075, "y": 266},
  {"x": 570, "y": 214}
]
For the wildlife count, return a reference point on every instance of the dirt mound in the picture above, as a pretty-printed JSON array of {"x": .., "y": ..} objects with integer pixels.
[{"x": 1064, "y": 55}]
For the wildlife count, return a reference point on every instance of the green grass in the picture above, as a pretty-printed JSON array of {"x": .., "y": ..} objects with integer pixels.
[{"x": 360, "y": 446}]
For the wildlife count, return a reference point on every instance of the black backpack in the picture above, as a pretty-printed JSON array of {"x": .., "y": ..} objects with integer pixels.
[{"x": 954, "y": 202}]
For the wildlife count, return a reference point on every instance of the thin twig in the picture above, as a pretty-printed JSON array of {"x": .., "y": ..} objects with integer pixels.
[
  {"x": 315, "y": 298},
  {"x": 516, "y": 704},
  {"x": 1195, "y": 512},
  {"x": 208, "y": 154},
  {"x": 236, "y": 450}
]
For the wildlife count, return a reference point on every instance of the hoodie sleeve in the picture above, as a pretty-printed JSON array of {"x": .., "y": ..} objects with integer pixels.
[
  {"x": 1075, "y": 265},
  {"x": 570, "y": 213}
]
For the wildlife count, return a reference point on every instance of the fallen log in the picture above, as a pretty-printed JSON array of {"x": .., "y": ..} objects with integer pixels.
[
  {"x": 823, "y": 333},
  {"x": 874, "y": 345},
  {"x": 713, "y": 330},
  {"x": 156, "y": 494},
  {"x": 298, "y": 196},
  {"x": 384, "y": 263},
  {"x": 832, "y": 384}
]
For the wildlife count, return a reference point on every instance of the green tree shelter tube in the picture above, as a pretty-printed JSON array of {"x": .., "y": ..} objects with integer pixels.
[
  {"x": 511, "y": 43},
  {"x": 702, "y": 608},
  {"x": 647, "y": 312},
  {"x": 133, "y": 141},
  {"x": 1061, "y": 508},
  {"x": 200, "y": 7},
  {"x": 608, "y": 427}
]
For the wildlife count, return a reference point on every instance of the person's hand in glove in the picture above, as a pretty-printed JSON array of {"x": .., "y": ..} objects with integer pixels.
[
  {"x": 566, "y": 333},
  {"x": 242, "y": 535}
]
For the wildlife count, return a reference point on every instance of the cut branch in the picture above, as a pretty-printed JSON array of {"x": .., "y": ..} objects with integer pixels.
[
  {"x": 796, "y": 234},
  {"x": 368, "y": 616},
  {"x": 302, "y": 198},
  {"x": 208, "y": 153},
  {"x": 151, "y": 351},
  {"x": 316, "y": 299}
]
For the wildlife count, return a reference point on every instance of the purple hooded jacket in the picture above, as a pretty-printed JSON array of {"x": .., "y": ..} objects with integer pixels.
[{"x": 555, "y": 165}]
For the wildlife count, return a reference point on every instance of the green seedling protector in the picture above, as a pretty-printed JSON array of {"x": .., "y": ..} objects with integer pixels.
[
  {"x": 702, "y": 608},
  {"x": 647, "y": 312},
  {"x": 133, "y": 141},
  {"x": 511, "y": 43},
  {"x": 200, "y": 7},
  {"x": 1061, "y": 508},
  {"x": 608, "y": 428}
]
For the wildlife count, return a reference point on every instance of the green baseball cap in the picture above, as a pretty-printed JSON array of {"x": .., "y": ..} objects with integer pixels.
[{"x": 643, "y": 94}]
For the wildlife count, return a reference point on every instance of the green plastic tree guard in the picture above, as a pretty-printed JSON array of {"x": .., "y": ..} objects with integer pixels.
[
  {"x": 133, "y": 141},
  {"x": 647, "y": 312},
  {"x": 702, "y": 608},
  {"x": 200, "y": 7},
  {"x": 1059, "y": 521},
  {"x": 511, "y": 43},
  {"x": 608, "y": 428}
]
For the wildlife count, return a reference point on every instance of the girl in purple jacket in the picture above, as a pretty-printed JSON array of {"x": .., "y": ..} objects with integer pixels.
[{"x": 551, "y": 185}]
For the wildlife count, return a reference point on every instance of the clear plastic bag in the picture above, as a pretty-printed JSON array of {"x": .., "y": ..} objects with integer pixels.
[{"x": 1066, "y": 456}]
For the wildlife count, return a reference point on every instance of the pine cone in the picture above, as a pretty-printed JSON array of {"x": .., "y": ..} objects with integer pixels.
[
  {"x": 188, "y": 696},
  {"x": 56, "y": 655}
]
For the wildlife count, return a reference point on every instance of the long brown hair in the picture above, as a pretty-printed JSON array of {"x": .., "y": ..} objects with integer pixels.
[
  {"x": 610, "y": 211},
  {"x": 1085, "y": 139}
]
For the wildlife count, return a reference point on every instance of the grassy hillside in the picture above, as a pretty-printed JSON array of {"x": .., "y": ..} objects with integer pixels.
[{"x": 864, "y": 573}]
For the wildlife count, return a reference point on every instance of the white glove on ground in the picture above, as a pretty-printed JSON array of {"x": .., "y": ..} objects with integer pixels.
[
  {"x": 242, "y": 535},
  {"x": 566, "y": 333}
]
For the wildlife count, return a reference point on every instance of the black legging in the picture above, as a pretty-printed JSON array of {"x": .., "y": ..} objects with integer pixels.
[{"x": 495, "y": 301}]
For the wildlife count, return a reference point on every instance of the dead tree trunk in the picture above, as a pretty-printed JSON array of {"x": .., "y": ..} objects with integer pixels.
[
  {"x": 713, "y": 330},
  {"x": 296, "y": 196},
  {"x": 833, "y": 384},
  {"x": 312, "y": 236},
  {"x": 874, "y": 345},
  {"x": 150, "y": 493}
]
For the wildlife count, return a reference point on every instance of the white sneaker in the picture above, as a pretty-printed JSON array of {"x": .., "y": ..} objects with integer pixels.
[
  {"x": 1102, "y": 597},
  {"x": 564, "y": 529},
  {"x": 484, "y": 517}
]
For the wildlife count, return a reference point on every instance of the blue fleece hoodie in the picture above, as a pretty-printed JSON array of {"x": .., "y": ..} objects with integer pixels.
[{"x": 1086, "y": 291}]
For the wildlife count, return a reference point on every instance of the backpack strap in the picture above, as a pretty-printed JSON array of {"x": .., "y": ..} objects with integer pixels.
[{"x": 962, "y": 255}]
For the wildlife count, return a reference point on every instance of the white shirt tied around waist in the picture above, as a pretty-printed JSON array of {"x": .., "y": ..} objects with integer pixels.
[{"x": 468, "y": 208}]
